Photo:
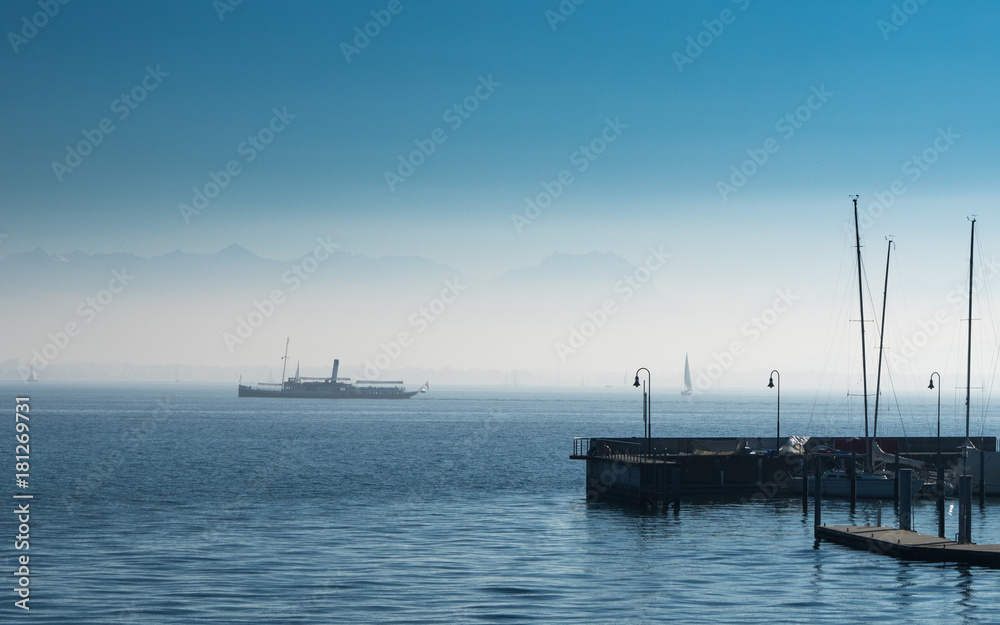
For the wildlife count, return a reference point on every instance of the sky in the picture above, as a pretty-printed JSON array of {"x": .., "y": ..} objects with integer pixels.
[{"x": 487, "y": 136}]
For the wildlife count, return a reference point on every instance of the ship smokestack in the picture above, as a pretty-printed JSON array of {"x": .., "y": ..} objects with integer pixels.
[{"x": 336, "y": 368}]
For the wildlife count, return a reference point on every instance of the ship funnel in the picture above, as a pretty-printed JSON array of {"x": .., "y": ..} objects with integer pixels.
[{"x": 336, "y": 368}]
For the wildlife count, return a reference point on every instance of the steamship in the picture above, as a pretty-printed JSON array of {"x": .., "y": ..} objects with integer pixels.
[{"x": 332, "y": 387}]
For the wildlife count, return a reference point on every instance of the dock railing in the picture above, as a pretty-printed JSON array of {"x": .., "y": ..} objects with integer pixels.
[{"x": 614, "y": 449}]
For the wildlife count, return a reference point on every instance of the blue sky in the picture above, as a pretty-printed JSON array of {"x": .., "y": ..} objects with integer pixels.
[
  {"x": 900, "y": 80},
  {"x": 557, "y": 87}
]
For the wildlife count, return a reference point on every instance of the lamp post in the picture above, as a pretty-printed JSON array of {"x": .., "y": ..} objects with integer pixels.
[
  {"x": 646, "y": 404},
  {"x": 777, "y": 432},
  {"x": 940, "y": 468}
]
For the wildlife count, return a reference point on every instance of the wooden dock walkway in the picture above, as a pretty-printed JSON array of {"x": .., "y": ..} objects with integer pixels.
[{"x": 909, "y": 545}]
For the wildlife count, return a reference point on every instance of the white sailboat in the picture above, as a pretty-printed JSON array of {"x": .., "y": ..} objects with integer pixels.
[
  {"x": 32, "y": 376},
  {"x": 687, "y": 377}
]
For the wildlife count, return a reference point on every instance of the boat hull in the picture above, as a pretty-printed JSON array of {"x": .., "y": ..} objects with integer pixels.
[
  {"x": 342, "y": 391},
  {"x": 987, "y": 465},
  {"x": 868, "y": 486}
]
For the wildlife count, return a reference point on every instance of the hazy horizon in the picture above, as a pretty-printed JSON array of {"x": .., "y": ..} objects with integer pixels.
[{"x": 565, "y": 190}]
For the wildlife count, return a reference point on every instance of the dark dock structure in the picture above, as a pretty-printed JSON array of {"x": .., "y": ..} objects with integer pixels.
[{"x": 662, "y": 470}]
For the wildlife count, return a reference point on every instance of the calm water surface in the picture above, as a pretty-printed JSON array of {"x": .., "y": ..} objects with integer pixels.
[{"x": 182, "y": 504}]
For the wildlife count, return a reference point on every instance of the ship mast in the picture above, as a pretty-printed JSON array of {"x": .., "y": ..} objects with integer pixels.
[
  {"x": 968, "y": 369},
  {"x": 881, "y": 346},
  {"x": 284, "y": 361},
  {"x": 861, "y": 304}
]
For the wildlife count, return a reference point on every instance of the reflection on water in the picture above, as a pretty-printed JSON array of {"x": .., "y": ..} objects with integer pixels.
[{"x": 428, "y": 511}]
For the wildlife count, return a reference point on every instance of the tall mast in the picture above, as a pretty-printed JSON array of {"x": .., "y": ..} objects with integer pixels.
[
  {"x": 968, "y": 369},
  {"x": 861, "y": 304},
  {"x": 284, "y": 361},
  {"x": 881, "y": 345}
]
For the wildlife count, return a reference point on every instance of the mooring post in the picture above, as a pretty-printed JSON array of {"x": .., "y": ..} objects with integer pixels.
[
  {"x": 852, "y": 475},
  {"x": 982, "y": 478},
  {"x": 805, "y": 484},
  {"x": 895, "y": 483},
  {"x": 968, "y": 509},
  {"x": 818, "y": 498},
  {"x": 878, "y": 514},
  {"x": 675, "y": 479},
  {"x": 805, "y": 491},
  {"x": 906, "y": 499},
  {"x": 964, "y": 509},
  {"x": 940, "y": 500}
]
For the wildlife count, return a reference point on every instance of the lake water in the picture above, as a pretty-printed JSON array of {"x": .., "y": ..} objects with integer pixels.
[{"x": 180, "y": 503}]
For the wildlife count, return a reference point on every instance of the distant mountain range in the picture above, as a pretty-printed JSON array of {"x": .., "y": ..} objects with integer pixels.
[{"x": 232, "y": 310}]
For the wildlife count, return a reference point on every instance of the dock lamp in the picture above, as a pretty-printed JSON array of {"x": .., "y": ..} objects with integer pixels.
[
  {"x": 646, "y": 404},
  {"x": 940, "y": 468},
  {"x": 777, "y": 432}
]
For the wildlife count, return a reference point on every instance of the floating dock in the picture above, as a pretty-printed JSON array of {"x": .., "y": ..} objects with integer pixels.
[{"x": 909, "y": 545}]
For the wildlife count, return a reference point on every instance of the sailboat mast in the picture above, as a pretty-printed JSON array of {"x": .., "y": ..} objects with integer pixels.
[
  {"x": 881, "y": 346},
  {"x": 861, "y": 304},
  {"x": 968, "y": 369},
  {"x": 284, "y": 361}
]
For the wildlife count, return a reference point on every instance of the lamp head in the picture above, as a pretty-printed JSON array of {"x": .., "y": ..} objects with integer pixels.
[
  {"x": 770, "y": 382},
  {"x": 931, "y": 385},
  {"x": 636, "y": 382}
]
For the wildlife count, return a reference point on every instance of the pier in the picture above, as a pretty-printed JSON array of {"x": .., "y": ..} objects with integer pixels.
[
  {"x": 653, "y": 470},
  {"x": 909, "y": 545}
]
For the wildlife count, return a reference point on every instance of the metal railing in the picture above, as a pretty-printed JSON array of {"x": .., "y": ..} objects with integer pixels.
[{"x": 614, "y": 449}]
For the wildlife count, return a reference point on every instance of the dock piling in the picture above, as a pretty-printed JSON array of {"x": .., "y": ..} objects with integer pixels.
[
  {"x": 818, "y": 498},
  {"x": 905, "y": 499},
  {"x": 675, "y": 486},
  {"x": 852, "y": 475},
  {"x": 805, "y": 485},
  {"x": 982, "y": 478},
  {"x": 895, "y": 484},
  {"x": 965, "y": 509},
  {"x": 940, "y": 501}
]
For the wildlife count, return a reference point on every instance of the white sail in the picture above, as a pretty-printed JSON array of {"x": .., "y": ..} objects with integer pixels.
[{"x": 687, "y": 377}]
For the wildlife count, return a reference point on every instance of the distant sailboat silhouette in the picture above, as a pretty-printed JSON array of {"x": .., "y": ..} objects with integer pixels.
[
  {"x": 32, "y": 376},
  {"x": 687, "y": 377}
]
